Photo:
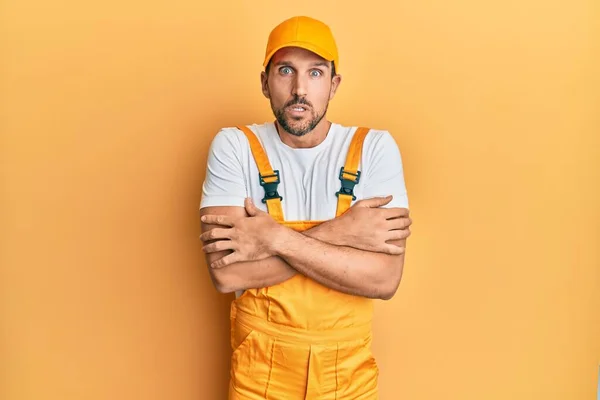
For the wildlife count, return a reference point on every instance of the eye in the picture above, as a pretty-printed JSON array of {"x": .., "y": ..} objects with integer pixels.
[
  {"x": 285, "y": 70},
  {"x": 316, "y": 73}
]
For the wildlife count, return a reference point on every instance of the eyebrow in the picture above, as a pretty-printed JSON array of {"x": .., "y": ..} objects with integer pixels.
[{"x": 315, "y": 64}]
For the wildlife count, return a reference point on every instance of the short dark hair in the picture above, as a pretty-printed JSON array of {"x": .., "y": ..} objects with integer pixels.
[{"x": 268, "y": 68}]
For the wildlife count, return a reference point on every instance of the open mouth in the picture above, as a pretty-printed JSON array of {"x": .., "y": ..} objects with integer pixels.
[{"x": 298, "y": 108}]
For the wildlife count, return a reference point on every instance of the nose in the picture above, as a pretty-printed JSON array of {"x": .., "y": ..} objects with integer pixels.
[{"x": 300, "y": 86}]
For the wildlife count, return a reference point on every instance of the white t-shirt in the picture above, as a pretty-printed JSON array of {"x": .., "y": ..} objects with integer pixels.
[{"x": 309, "y": 176}]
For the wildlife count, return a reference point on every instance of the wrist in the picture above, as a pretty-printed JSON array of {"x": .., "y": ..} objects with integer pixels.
[
  {"x": 332, "y": 232},
  {"x": 280, "y": 237}
]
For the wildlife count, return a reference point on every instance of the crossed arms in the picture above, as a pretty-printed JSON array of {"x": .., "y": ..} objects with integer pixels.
[{"x": 360, "y": 253}]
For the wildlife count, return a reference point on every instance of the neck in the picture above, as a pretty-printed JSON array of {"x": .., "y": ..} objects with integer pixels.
[{"x": 311, "y": 139}]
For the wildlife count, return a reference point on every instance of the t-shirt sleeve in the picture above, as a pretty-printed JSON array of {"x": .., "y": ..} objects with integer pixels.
[
  {"x": 224, "y": 184},
  {"x": 384, "y": 172}
]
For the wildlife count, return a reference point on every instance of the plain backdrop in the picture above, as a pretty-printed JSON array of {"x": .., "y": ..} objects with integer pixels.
[{"x": 107, "y": 110}]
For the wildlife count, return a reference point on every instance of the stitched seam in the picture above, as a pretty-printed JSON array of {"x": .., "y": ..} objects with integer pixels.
[
  {"x": 337, "y": 385},
  {"x": 270, "y": 368},
  {"x": 308, "y": 370}
]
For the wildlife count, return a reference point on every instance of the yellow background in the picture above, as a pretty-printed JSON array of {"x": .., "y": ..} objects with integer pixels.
[{"x": 107, "y": 112}]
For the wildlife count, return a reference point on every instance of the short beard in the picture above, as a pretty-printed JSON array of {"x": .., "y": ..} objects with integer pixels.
[{"x": 301, "y": 131}]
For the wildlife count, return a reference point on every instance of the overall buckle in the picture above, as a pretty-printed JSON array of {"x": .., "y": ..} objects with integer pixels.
[
  {"x": 270, "y": 187},
  {"x": 348, "y": 184}
]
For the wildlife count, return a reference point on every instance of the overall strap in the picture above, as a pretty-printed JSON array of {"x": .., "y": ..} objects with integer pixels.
[
  {"x": 269, "y": 179},
  {"x": 349, "y": 173}
]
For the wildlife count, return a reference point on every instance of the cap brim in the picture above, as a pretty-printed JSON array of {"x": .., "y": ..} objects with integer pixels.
[{"x": 303, "y": 45}]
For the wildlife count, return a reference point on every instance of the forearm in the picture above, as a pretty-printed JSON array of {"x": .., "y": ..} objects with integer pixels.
[
  {"x": 252, "y": 274},
  {"x": 348, "y": 270},
  {"x": 263, "y": 273}
]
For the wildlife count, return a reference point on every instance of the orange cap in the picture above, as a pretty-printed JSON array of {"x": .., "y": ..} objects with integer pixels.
[{"x": 307, "y": 33}]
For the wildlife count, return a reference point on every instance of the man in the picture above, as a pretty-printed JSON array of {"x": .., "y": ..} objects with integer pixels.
[{"x": 306, "y": 220}]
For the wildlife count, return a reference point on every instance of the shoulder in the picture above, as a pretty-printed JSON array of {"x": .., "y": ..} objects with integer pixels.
[
  {"x": 376, "y": 138},
  {"x": 350, "y": 130},
  {"x": 227, "y": 135},
  {"x": 380, "y": 149},
  {"x": 225, "y": 138},
  {"x": 233, "y": 135}
]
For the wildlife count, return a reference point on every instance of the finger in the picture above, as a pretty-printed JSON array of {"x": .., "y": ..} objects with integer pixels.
[
  {"x": 216, "y": 234},
  {"x": 374, "y": 202},
  {"x": 225, "y": 261},
  {"x": 395, "y": 250},
  {"x": 251, "y": 208},
  {"x": 220, "y": 245},
  {"x": 396, "y": 212},
  {"x": 399, "y": 223},
  {"x": 398, "y": 234},
  {"x": 223, "y": 220}
]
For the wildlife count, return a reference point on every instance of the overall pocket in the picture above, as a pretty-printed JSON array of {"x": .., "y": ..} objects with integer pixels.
[{"x": 250, "y": 361}]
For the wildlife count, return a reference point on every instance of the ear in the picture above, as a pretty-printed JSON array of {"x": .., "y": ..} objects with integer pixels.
[
  {"x": 335, "y": 83},
  {"x": 264, "y": 84}
]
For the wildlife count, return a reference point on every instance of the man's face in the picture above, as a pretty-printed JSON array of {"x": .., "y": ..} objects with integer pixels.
[{"x": 299, "y": 86}]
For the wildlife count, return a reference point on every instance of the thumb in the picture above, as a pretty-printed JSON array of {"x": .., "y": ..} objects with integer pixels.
[
  {"x": 251, "y": 208},
  {"x": 375, "y": 202}
]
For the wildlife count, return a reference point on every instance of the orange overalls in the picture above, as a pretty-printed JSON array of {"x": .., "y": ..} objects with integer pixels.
[{"x": 299, "y": 339}]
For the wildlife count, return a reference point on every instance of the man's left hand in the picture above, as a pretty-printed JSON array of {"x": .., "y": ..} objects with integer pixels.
[{"x": 250, "y": 238}]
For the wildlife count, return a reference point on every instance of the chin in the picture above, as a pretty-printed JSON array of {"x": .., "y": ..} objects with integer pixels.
[{"x": 295, "y": 125}]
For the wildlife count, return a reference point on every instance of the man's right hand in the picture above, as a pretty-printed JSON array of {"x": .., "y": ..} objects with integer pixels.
[{"x": 367, "y": 227}]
